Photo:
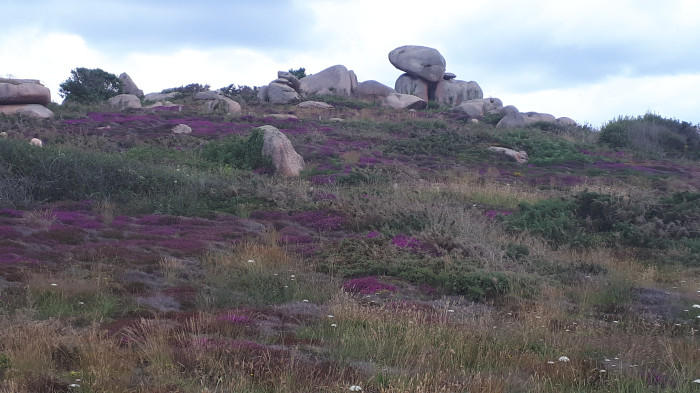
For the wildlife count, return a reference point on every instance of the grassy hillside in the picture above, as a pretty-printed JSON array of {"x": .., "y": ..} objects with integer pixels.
[{"x": 406, "y": 258}]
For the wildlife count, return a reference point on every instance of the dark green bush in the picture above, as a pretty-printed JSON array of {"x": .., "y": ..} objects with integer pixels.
[
  {"x": 477, "y": 286},
  {"x": 653, "y": 135},
  {"x": 242, "y": 93},
  {"x": 238, "y": 152},
  {"x": 299, "y": 72},
  {"x": 543, "y": 149},
  {"x": 89, "y": 86},
  {"x": 192, "y": 88}
]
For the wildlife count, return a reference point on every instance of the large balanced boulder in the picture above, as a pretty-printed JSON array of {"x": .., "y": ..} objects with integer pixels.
[
  {"x": 278, "y": 148},
  {"x": 372, "y": 90},
  {"x": 33, "y": 110},
  {"x": 404, "y": 101},
  {"x": 420, "y": 61},
  {"x": 124, "y": 101},
  {"x": 23, "y": 91},
  {"x": 278, "y": 93},
  {"x": 409, "y": 84},
  {"x": 336, "y": 80},
  {"x": 453, "y": 92},
  {"x": 128, "y": 85}
]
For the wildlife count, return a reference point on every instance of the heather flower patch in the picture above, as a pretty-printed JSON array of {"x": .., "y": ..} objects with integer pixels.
[
  {"x": 412, "y": 244},
  {"x": 367, "y": 286},
  {"x": 12, "y": 213}
]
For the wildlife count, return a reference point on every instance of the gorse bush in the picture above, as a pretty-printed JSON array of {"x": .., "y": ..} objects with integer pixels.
[
  {"x": 238, "y": 152},
  {"x": 653, "y": 135},
  {"x": 89, "y": 86}
]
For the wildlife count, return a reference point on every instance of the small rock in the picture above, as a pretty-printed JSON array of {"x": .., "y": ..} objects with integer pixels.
[
  {"x": 3, "y": 134},
  {"x": 124, "y": 101},
  {"x": 336, "y": 119},
  {"x": 281, "y": 116},
  {"x": 519, "y": 156},
  {"x": 315, "y": 104},
  {"x": 182, "y": 129},
  {"x": 404, "y": 101},
  {"x": 36, "y": 142}
]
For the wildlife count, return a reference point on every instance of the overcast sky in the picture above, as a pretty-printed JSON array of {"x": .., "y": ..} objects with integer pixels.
[{"x": 589, "y": 60}]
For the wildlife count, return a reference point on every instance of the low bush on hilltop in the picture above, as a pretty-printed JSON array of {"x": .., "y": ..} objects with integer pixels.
[{"x": 653, "y": 135}]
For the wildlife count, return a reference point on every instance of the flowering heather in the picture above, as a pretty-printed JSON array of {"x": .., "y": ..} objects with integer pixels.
[
  {"x": 319, "y": 220},
  {"x": 11, "y": 213},
  {"x": 367, "y": 286},
  {"x": 77, "y": 219},
  {"x": 373, "y": 235},
  {"x": 8, "y": 232},
  {"x": 411, "y": 243},
  {"x": 236, "y": 319}
]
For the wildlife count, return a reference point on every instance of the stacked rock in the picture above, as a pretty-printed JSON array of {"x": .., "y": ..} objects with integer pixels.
[
  {"x": 425, "y": 77},
  {"x": 24, "y": 97},
  {"x": 283, "y": 90},
  {"x": 215, "y": 102}
]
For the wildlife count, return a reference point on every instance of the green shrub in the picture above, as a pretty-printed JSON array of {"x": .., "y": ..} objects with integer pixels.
[
  {"x": 492, "y": 118},
  {"x": 89, "y": 86},
  {"x": 543, "y": 149},
  {"x": 653, "y": 135},
  {"x": 238, "y": 152},
  {"x": 192, "y": 88},
  {"x": 299, "y": 72},
  {"x": 477, "y": 286},
  {"x": 243, "y": 93}
]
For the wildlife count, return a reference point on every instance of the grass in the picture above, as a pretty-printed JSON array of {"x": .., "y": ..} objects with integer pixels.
[{"x": 426, "y": 266}]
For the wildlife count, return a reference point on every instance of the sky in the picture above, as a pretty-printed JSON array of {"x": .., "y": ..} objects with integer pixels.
[{"x": 589, "y": 60}]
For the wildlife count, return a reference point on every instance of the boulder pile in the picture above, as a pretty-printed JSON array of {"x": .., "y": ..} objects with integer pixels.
[
  {"x": 287, "y": 88},
  {"x": 24, "y": 97},
  {"x": 425, "y": 77}
]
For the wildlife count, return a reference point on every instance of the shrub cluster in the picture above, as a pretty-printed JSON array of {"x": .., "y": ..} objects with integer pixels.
[
  {"x": 653, "y": 135},
  {"x": 192, "y": 88},
  {"x": 244, "y": 93},
  {"x": 238, "y": 152},
  {"x": 591, "y": 219},
  {"x": 542, "y": 149},
  {"x": 89, "y": 86}
]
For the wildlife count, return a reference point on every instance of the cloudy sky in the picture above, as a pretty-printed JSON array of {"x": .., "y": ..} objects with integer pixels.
[{"x": 590, "y": 60}]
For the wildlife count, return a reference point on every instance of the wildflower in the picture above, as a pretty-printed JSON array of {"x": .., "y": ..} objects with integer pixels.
[
  {"x": 334, "y": 325},
  {"x": 550, "y": 362},
  {"x": 251, "y": 261},
  {"x": 697, "y": 380},
  {"x": 355, "y": 388},
  {"x": 616, "y": 321},
  {"x": 564, "y": 359},
  {"x": 696, "y": 305},
  {"x": 74, "y": 385},
  {"x": 81, "y": 303},
  {"x": 305, "y": 300},
  {"x": 603, "y": 371},
  {"x": 53, "y": 284},
  {"x": 330, "y": 316},
  {"x": 450, "y": 310}
]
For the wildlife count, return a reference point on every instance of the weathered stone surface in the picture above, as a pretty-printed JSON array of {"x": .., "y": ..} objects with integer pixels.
[
  {"x": 448, "y": 76},
  {"x": 404, "y": 101},
  {"x": 281, "y": 116},
  {"x": 353, "y": 81},
  {"x": 278, "y": 148},
  {"x": 492, "y": 105},
  {"x": 518, "y": 156},
  {"x": 511, "y": 119},
  {"x": 182, "y": 129},
  {"x": 473, "y": 108},
  {"x": 222, "y": 105},
  {"x": 33, "y": 110},
  {"x": 336, "y": 119},
  {"x": 160, "y": 96},
  {"x": 3, "y": 134},
  {"x": 124, "y": 101},
  {"x": 408, "y": 84},
  {"x": 15, "y": 92},
  {"x": 336, "y": 80},
  {"x": 372, "y": 90},
  {"x": 453, "y": 92},
  {"x": 535, "y": 117},
  {"x": 129, "y": 86},
  {"x": 566, "y": 121},
  {"x": 421, "y": 61},
  {"x": 314, "y": 104},
  {"x": 292, "y": 80},
  {"x": 36, "y": 142},
  {"x": 509, "y": 110},
  {"x": 278, "y": 93}
]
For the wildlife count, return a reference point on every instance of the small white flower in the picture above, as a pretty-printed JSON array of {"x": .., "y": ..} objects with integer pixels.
[
  {"x": 251, "y": 261},
  {"x": 81, "y": 303},
  {"x": 292, "y": 276},
  {"x": 355, "y": 388},
  {"x": 564, "y": 359},
  {"x": 696, "y": 305},
  {"x": 305, "y": 300},
  {"x": 334, "y": 325},
  {"x": 53, "y": 284},
  {"x": 603, "y": 371},
  {"x": 538, "y": 317},
  {"x": 550, "y": 362},
  {"x": 450, "y": 310},
  {"x": 607, "y": 360},
  {"x": 286, "y": 286},
  {"x": 74, "y": 385},
  {"x": 616, "y": 321},
  {"x": 697, "y": 380}
]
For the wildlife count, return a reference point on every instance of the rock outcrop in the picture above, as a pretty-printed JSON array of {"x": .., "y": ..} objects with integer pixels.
[
  {"x": 372, "y": 90},
  {"x": 214, "y": 102},
  {"x": 283, "y": 90},
  {"x": 420, "y": 61},
  {"x": 415, "y": 86},
  {"x": 278, "y": 148},
  {"x": 25, "y": 97},
  {"x": 336, "y": 80},
  {"x": 452, "y": 92},
  {"x": 404, "y": 101},
  {"x": 124, "y": 101},
  {"x": 128, "y": 85},
  {"x": 182, "y": 129}
]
